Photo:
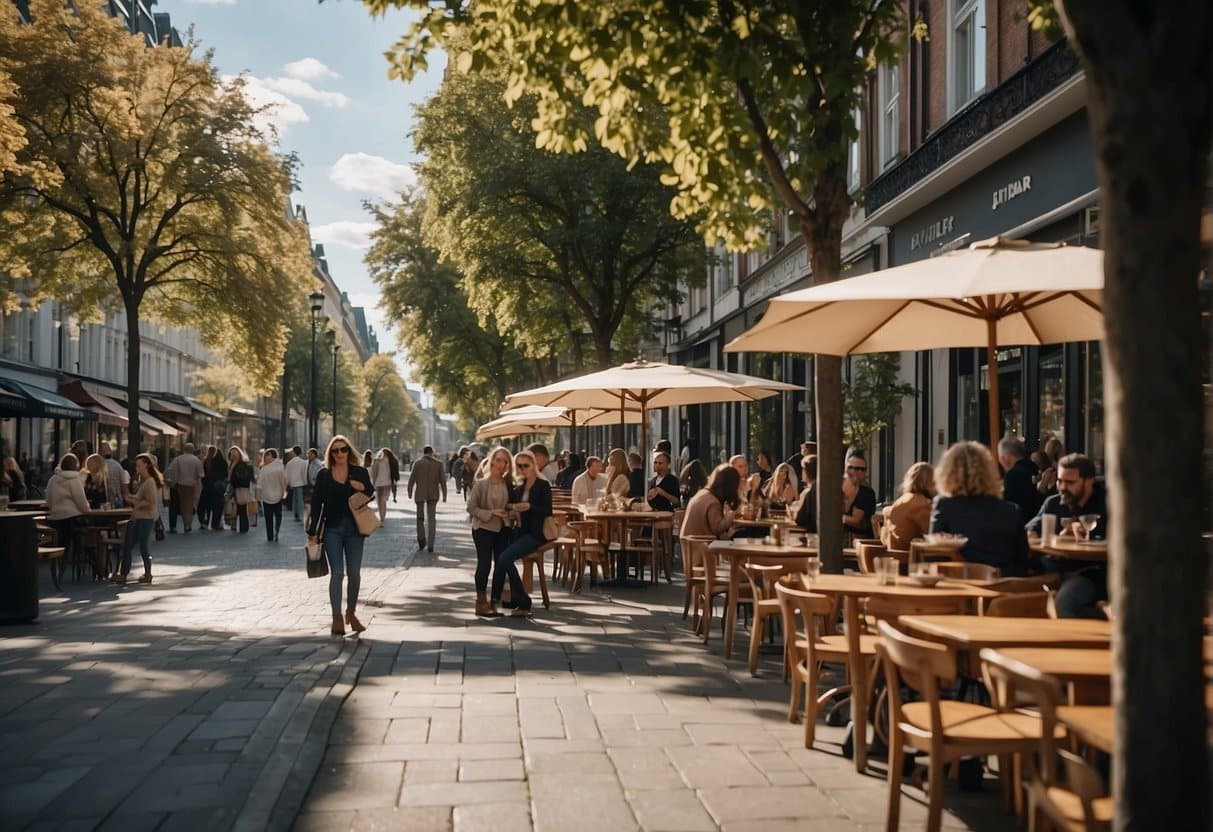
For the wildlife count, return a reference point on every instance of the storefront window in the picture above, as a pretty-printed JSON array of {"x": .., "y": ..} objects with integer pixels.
[
  {"x": 1052, "y": 394},
  {"x": 1094, "y": 420}
]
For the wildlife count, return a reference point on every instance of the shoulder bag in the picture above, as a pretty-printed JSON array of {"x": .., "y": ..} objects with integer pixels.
[
  {"x": 316, "y": 559},
  {"x": 364, "y": 518}
]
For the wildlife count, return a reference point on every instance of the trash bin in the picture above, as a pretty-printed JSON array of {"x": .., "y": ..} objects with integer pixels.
[{"x": 18, "y": 566}]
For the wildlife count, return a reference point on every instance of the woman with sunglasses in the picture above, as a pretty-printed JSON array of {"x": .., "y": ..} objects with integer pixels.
[
  {"x": 858, "y": 497},
  {"x": 531, "y": 500},
  {"x": 330, "y": 515},
  {"x": 486, "y": 504}
]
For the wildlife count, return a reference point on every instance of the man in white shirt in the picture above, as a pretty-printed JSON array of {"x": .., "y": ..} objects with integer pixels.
[
  {"x": 296, "y": 480},
  {"x": 590, "y": 484},
  {"x": 116, "y": 477}
]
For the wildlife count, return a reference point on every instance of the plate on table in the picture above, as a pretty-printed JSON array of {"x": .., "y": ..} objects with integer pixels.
[
  {"x": 927, "y": 581},
  {"x": 945, "y": 541}
]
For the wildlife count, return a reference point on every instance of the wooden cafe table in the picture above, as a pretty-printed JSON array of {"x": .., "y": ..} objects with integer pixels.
[
  {"x": 1090, "y": 723},
  {"x": 738, "y": 552},
  {"x": 973, "y": 632},
  {"x": 620, "y": 520},
  {"x": 1086, "y": 672},
  {"x": 1095, "y": 551},
  {"x": 854, "y": 587}
]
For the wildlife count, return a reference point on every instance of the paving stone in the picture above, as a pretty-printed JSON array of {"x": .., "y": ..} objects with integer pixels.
[
  {"x": 711, "y": 767},
  {"x": 462, "y": 794},
  {"x": 671, "y": 810},
  {"x": 406, "y": 730},
  {"x": 642, "y": 769},
  {"x": 349, "y": 731},
  {"x": 765, "y": 802},
  {"x": 497, "y": 817},
  {"x": 587, "y": 804},
  {"x": 412, "y": 819},
  {"x": 360, "y": 786},
  {"x": 507, "y": 769}
]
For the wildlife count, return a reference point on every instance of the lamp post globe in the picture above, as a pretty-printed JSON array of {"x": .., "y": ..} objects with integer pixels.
[{"x": 317, "y": 304}]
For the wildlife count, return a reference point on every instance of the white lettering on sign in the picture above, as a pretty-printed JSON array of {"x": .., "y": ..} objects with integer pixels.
[
  {"x": 1009, "y": 191},
  {"x": 936, "y": 230}
]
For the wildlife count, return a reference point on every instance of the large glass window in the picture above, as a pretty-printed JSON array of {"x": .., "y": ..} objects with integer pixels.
[
  {"x": 889, "y": 92},
  {"x": 1052, "y": 394},
  {"x": 967, "y": 46},
  {"x": 1093, "y": 418},
  {"x": 853, "y": 153}
]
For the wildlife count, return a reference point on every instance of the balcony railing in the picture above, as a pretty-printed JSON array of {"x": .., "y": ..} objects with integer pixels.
[{"x": 1055, "y": 66}]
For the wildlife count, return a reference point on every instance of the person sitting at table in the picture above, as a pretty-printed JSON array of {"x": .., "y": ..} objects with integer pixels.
[
  {"x": 766, "y": 467},
  {"x": 781, "y": 490},
  {"x": 145, "y": 508},
  {"x": 970, "y": 503},
  {"x": 1050, "y": 452},
  {"x": 663, "y": 487},
  {"x": 590, "y": 483},
  {"x": 636, "y": 487},
  {"x": 1079, "y": 493},
  {"x": 66, "y": 504},
  {"x": 806, "y": 509},
  {"x": 618, "y": 473},
  {"x": 12, "y": 480},
  {"x": 1019, "y": 481},
  {"x": 691, "y": 478},
  {"x": 858, "y": 497},
  {"x": 574, "y": 467},
  {"x": 910, "y": 515},
  {"x": 95, "y": 488},
  {"x": 711, "y": 510}
]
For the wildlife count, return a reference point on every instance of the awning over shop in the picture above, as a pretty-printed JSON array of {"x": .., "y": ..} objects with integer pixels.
[
  {"x": 42, "y": 403},
  {"x": 178, "y": 415},
  {"x": 165, "y": 406},
  {"x": 11, "y": 404},
  {"x": 150, "y": 424},
  {"x": 105, "y": 408},
  {"x": 199, "y": 407}
]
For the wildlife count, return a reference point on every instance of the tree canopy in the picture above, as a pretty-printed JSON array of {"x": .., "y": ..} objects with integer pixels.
[
  {"x": 351, "y": 393},
  {"x": 548, "y": 243},
  {"x": 465, "y": 359},
  {"x": 145, "y": 184},
  {"x": 389, "y": 408}
]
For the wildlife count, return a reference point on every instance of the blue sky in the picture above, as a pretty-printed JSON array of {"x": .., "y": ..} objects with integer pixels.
[{"x": 322, "y": 66}]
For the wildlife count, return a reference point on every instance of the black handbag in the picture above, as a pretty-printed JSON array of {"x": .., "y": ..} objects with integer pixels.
[{"x": 315, "y": 558}]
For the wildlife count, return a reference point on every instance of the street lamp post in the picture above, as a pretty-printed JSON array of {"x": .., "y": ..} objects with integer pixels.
[
  {"x": 331, "y": 337},
  {"x": 317, "y": 299}
]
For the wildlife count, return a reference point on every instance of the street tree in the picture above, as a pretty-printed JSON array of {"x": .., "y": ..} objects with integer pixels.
[
  {"x": 221, "y": 386},
  {"x": 389, "y": 408},
  {"x": 873, "y": 398},
  {"x": 1149, "y": 74},
  {"x": 145, "y": 186},
  {"x": 746, "y": 106},
  {"x": 542, "y": 237},
  {"x": 468, "y": 362},
  {"x": 297, "y": 362}
]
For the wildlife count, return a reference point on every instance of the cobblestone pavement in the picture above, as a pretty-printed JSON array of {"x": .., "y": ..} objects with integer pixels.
[{"x": 214, "y": 698}]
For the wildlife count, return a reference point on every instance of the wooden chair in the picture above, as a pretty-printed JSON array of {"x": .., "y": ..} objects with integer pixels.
[
  {"x": 1080, "y": 804},
  {"x": 808, "y": 648},
  {"x": 708, "y": 585},
  {"x": 947, "y": 730},
  {"x": 590, "y": 550},
  {"x": 646, "y": 547},
  {"x": 533, "y": 563},
  {"x": 965, "y": 571},
  {"x": 762, "y": 579},
  {"x": 110, "y": 548},
  {"x": 1019, "y": 605},
  {"x": 691, "y": 568},
  {"x": 878, "y": 519},
  {"x": 1034, "y": 583},
  {"x": 921, "y": 551},
  {"x": 54, "y": 556}
]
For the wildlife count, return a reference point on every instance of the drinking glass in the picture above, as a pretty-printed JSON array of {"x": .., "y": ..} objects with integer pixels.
[
  {"x": 1089, "y": 522},
  {"x": 812, "y": 569}
]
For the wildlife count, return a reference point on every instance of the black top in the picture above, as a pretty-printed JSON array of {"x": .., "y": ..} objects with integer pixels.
[
  {"x": 635, "y": 483},
  {"x": 994, "y": 528},
  {"x": 242, "y": 474},
  {"x": 565, "y": 478},
  {"x": 1018, "y": 487},
  {"x": 216, "y": 477},
  {"x": 806, "y": 518},
  {"x": 865, "y": 501},
  {"x": 668, "y": 484},
  {"x": 330, "y": 499},
  {"x": 94, "y": 492},
  {"x": 540, "y": 498},
  {"x": 1097, "y": 504}
]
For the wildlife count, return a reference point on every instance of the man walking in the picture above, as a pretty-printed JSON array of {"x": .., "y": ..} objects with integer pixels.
[
  {"x": 116, "y": 477},
  {"x": 296, "y": 479},
  {"x": 427, "y": 478},
  {"x": 188, "y": 478}
]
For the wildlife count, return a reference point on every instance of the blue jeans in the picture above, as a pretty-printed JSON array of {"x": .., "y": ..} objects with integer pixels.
[
  {"x": 523, "y": 545},
  {"x": 1080, "y": 592},
  {"x": 297, "y": 501},
  {"x": 142, "y": 532},
  {"x": 489, "y": 546},
  {"x": 344, "y": 547}
]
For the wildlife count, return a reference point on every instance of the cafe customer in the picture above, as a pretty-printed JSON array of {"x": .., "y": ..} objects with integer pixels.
[
  {"x": 970, "y": 503},
  {"x": 711, "y": 510},
  {"x": 1079, "y": 493},
  {"x": 910, "y": 515}
]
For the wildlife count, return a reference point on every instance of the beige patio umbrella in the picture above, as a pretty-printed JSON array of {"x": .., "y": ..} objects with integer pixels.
[
  {"x": 537, "y": 419},
  {"x": 996, "y": 292},
  {"x": 649, "y": 384}
]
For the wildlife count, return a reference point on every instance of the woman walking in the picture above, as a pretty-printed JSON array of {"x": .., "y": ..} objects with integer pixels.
[
  {"x": 240, "y": 485},
  {"x": 215, "y": 485},
  {"x": 330, "y": 516},
  {"x": 531, "y": 500},
  {"x": 486, "y": 505},
  {"x": 145, "y": 507},
  {"x": 272, "y": 486},
  {"x": 381, "y": 478}
]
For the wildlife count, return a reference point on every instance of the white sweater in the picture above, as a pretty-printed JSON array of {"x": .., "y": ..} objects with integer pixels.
[{"x": 65, "y": 496}]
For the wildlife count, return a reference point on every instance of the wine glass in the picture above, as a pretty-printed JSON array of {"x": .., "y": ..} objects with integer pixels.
[
  {"x": 812, "y": 570},
  {"x": 1089, "y": 522}
]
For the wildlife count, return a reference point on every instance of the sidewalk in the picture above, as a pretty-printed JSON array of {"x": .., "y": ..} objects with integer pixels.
[{"x": 603, "y": 713}]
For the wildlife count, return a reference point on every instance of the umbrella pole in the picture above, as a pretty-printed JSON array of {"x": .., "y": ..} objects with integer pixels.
[
  {"x": 573, "y": 433},
  {"x": 992, "y": 381}
]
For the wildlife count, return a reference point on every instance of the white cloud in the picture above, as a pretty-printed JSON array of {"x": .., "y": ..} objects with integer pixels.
[
  {"x": 309, "y": 69},
  {"x": 295, "y": 88},
  {"x": 345, "y": 233},
  {"x": 364, "y": 173},
  {"x": 282, "y": 112}
]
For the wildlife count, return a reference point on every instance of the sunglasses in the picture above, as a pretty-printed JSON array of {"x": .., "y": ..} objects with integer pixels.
[
  {"x": 523, "y": 466},
  {"x": 857, "y": 468},
  {"x": 343, "y": 449}
]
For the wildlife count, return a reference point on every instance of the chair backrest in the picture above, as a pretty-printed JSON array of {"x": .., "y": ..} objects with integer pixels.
[
  {"x": 866, "y": 553},
  {"x": 694, "y": 551},
  {"x": 814, "y": 610},
  {"x": 1035, "y": 583},
  {"x": 676, "y": 520},
  {"x": 1085, "y": 782},
  {"x": 763, "y": 577},
  {"x": 1012, "y": 684},
  {"x": 969, "y": 571},
  {"x": 584, "y": 530},
  {"x": 1019, "y": 605},
  {"x": 878, "y": 519},
  {"x": 923, "y": 665},
  {"x": 921, "y": 551}
]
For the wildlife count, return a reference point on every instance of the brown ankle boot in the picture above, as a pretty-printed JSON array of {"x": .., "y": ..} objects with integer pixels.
[
  {"x": 484, "y": 608},
  {"x": 338, "y": 626},
  {"x": 353, "y": 621}
]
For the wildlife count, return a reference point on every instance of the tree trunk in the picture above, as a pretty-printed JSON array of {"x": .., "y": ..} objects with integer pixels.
[
  {"x": 134, "y": 354},
  {"x": 286, "y": 379},
  {"x": 1148, "y": 71}
]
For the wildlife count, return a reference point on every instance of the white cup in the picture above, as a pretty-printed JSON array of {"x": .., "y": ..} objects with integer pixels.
[{"x": 1048, "y": 527}]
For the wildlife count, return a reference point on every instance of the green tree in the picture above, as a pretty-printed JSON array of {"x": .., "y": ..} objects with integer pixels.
[
  {"x": 221, "y": 386},
  {"x": 351, "y": 394},
  {"x": 548, "y": 242},
  {"x": 464, "y": 358},
  {"x": 874, "y": 397},
  {"x": 1149, "y": 74},
  {"x": 144, "y": 185},
  {"x": 389, "y": 408},
  {"x": 745, "y": 105}
]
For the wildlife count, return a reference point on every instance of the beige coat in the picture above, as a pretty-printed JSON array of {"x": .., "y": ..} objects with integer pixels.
[
  {"x": 427, "y": 480},
  {"x": 705, "y": 516}
]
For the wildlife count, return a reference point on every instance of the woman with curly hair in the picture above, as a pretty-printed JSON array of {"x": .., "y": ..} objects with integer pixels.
[{"x": 970, "y": 503}]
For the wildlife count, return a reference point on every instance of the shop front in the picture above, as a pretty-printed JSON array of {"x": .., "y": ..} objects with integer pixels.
[
  {"x": 1045, "y": 191},
  {"x": 37, "y": 425}
]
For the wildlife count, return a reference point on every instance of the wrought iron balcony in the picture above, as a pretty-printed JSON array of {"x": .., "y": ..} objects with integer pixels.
[{"x": 1055, "y": 66}]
